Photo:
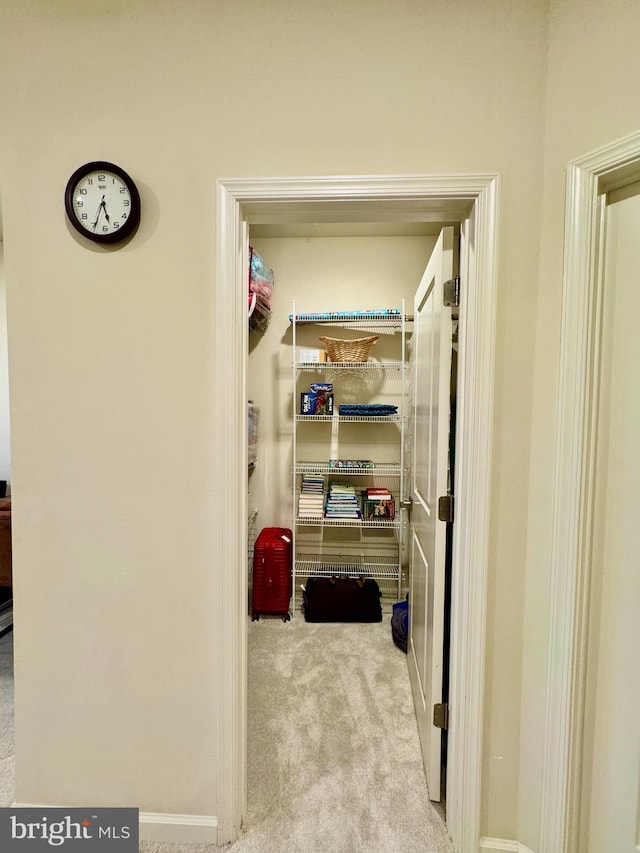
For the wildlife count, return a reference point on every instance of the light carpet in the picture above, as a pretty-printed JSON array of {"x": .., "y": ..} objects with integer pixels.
[
  {"x": 7, "y": 761},
  {"x": 334, "y": 757},
  {"x": 6, "y": 696}
]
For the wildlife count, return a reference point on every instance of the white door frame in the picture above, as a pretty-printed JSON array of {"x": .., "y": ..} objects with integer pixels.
[
  {"x": 589, "y": 178},
  {"x": 473, "y": 201}
]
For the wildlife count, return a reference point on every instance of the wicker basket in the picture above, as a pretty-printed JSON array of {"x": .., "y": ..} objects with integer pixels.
[{"x": 350, "y": 352}]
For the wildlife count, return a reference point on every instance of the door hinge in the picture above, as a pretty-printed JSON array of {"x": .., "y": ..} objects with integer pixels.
[
  {"x": 451, "y": 292},
  {"x": 441, "y": 716},
  {"x": 445, "y": 508}
]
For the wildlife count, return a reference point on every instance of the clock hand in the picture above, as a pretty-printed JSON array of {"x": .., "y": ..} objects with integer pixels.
[
  {"x": 103, "y": 205},
  {"x": 95, "y": 224}
]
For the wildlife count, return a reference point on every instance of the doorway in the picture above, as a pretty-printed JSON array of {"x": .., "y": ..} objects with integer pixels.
[
  {"x": 590, "y": 180},
  {"x": 472, "y": 202},
  {"x": 610, "y": 771},
  {"x": 6, "y": 577}
]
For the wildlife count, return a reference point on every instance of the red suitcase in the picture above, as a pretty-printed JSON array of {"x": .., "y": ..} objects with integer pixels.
[{"x": 272, "y": 573}]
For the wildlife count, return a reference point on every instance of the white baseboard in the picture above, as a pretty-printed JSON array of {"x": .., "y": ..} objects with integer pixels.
[
  {"x": 502, "y": 845},
  {"x": 178, "y": 828},
  {"x": 171, "y": 828}
]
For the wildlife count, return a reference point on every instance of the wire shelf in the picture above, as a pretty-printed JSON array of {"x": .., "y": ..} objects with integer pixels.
[
  {"x": 307, "y": 521},
  {"x": 374, "y": 469},
  {"x": 341, "y": 567},
  {"x": 385, "y": 324},
  {"x": 348, "y": 365},
  {"x": 350, "y": 546},
  {"x": 350, "y": 419}
]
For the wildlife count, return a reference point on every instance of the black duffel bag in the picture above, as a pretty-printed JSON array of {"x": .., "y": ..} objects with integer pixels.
[{"x": 342, "y": 599}]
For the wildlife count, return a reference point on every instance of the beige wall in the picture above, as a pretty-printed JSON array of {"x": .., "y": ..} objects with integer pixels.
[
  {"x": 112, "y": 405},
  {"x": 5, "y": 444},
  {"x": 592, "y": 101}
]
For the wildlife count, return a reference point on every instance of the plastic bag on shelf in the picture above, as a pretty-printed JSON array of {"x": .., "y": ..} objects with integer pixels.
[{"x": 260, "y": 279}]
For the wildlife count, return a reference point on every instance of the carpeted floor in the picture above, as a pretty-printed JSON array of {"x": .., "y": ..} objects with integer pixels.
[
  {"x": 334, "y": 759},
  {"x": 334, "y": 756},
  {"x": 7, "y": 763}
]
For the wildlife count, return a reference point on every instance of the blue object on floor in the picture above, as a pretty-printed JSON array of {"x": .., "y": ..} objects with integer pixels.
[{"x": 400, "y": 624}]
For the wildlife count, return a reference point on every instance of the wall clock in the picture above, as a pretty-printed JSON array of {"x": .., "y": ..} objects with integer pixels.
[{"x": 102, "y": 202}]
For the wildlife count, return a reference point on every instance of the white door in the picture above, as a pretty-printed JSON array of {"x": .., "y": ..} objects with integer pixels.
[
  {"x": 610, "y": 807},
  {"x": 431, "y": 411}
]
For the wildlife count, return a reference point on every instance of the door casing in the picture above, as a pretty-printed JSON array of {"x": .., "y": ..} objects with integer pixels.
[
  {"x": 589, "y": 178},
  {"x": 473, "y": 201}
]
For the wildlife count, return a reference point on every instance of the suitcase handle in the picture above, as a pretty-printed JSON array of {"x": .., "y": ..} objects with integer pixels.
[{"x": 335, "y": 578}]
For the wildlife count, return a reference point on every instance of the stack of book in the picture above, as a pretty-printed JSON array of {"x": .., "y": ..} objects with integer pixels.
[
  {"x": 378, "y": 504},
  {"x": 342, "y": 502},
  {"x": 310, "y": 500}
]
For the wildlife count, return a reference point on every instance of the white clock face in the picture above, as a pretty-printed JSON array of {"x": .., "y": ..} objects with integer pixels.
[{"x": 101, "y": 203}]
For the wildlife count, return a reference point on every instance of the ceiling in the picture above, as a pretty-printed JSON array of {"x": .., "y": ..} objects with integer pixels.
[{"x": 384, "y": 217}]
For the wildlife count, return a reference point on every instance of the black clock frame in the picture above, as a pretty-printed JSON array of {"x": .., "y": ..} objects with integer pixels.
[{"x": 134, "y": 215}]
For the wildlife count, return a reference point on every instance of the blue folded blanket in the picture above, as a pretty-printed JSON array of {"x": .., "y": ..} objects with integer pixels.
[{"x": 366, "y": 409}]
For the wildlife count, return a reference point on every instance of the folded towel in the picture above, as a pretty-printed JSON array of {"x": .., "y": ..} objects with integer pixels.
[{"x": 363, "y": 410}]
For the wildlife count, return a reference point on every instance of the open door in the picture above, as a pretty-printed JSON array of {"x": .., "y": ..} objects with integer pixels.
[{"x": 432, "y": 350}]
